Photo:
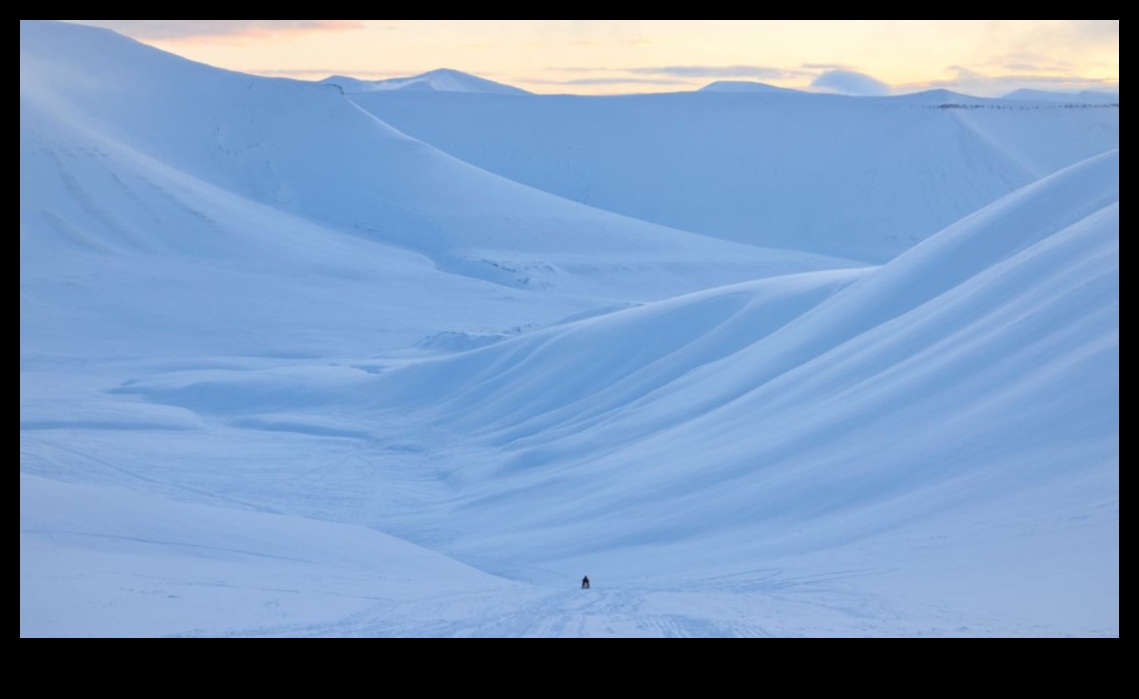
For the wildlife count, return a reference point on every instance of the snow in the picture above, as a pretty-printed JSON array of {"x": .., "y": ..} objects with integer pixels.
[
  {"x": 1084, "y": 97},
  {"x": 859, "y": 178},
  {"x": 287, "y": 371},
  {"x": 220, "y": 178},
  {"x": 88, "y": 553},
  {"x": 744, "y": 86},
  {"x": 443, "y": 80}
]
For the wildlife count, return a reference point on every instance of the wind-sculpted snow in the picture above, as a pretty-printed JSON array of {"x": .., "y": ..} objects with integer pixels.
[
  {"x": 302, "y": 149},
  {"x": 982, "y": 361},
  {"x": 863, "y": 178},
  {"x": 242, "y": 186},
  {"x": 973, "y": 380}
]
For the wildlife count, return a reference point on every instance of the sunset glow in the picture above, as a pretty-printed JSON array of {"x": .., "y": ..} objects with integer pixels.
[{"x": 985, "y": 57}]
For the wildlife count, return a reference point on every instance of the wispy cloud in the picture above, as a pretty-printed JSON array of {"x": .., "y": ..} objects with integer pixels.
[
  {"x": 173, "y": 29},
  {"x": 1073, "y": 37},
  {"x": 1094, "y": 30},
  {"x": 736, "y": 71},
  {"x": 609, "y": 43},
  {"x": 850, "y": 82},
  {"x": 600, "y": 81},
  {"x": 607, "y": 28},
  {"x": 974, "y": 82},
  {"x": 826, "y": 66},
  {"x": 1023, "y": 62}
]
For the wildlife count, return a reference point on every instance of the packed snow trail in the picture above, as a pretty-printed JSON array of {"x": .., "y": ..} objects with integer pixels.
[{"x": 108, "y": 563}]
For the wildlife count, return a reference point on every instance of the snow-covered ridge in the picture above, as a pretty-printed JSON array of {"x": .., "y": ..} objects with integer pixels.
[
  {"x": 301, "y": 150},
  {"x": 745, "y": 86},
  {"x": 443, "y": 80},
  {"x": 1084, "y": 97},
  {"x": 863, "y": 178}
]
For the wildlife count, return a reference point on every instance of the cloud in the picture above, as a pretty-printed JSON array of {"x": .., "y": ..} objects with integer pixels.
[
  {"x": 608, "y": 43},
  {"x": 737, "y": 71},
  {"x": 173, "y": 29},
  {"x": 826, "y": 66},
  {"x": 849, "y": 82},
  {"x": 975, "y": 82},
  {"x": 1052, "y": 36},
  {"x": 612, "y": 81},
  {"x": 1024, "y": 62},
  {"x": 592, "y": 27},
  {"x": 590, "y": 32},
  {"x": 1095, "y": 29}
]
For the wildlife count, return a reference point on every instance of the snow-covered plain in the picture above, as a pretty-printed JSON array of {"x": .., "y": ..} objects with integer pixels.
[{"x": 286, "y": 371}]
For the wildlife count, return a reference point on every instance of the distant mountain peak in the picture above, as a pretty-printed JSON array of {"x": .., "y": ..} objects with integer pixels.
[
  {"x": 440, "y": 80},
  {"x": 744, "y": 86},
  {"x": 449, "y": 73},
  {"x": 938, "y": 97},
  {"x": 1085, "y": 97}
]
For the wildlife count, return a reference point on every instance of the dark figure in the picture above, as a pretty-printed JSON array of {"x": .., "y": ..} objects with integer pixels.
[{"x": 585, "y": 583}]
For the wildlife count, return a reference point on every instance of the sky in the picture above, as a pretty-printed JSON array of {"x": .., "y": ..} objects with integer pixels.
[{"x": 983, "y": 57}]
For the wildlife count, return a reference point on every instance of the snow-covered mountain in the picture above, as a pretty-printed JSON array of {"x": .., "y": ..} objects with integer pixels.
[
  {"x": 443, "y": 80},
  {"x": 174, "y": 161},
  {"x": 946, "y": 99},
  {"x": 1075, "y": 98},
  {"x": 863, "y": 178},
  {"x": 287, "y": 371},
  {"x": 744, "y": 86}
]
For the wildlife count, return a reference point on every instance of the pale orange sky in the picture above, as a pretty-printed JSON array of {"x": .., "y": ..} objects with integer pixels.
[{"x": 985, "y": 57}]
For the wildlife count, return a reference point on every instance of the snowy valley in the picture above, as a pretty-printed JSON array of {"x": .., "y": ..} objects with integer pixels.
[{"x": 409, "y": 358}]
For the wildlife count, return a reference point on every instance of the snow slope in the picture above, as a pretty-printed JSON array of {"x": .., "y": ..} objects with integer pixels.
[
  {"x": 232, "y": 187},
  {"x": 303, "y": 149},
  {"x": 109, "y": 562},
  {"x": 443, "y": 80},
  {"x": 997, "y": 339},
  {"x": 862, "y": 178},
  {"x": 945, "y": 426}
]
